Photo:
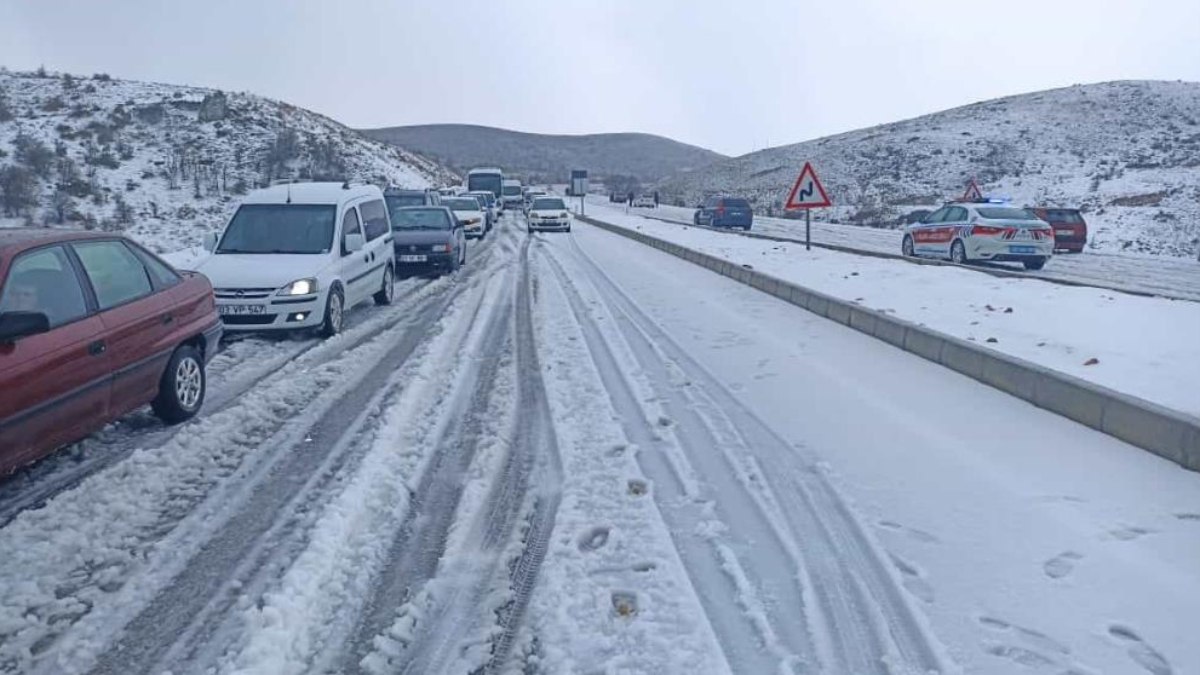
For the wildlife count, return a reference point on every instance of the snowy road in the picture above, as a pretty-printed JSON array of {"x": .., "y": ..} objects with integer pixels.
[
  {"x": 1164, "y": 276},
  {"x": 583, "y": 455}
]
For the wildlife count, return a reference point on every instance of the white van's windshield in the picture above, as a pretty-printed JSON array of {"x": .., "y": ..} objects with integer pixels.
[{"x": 280, "y": 228}]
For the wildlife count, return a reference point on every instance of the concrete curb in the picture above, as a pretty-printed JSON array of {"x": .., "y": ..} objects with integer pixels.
[{"x": 1167, "y": 433}]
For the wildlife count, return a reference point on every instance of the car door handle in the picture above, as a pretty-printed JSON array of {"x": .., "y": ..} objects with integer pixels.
[
  {"x": 167, "y": 319},
  {"x": 97, "y": 348}
]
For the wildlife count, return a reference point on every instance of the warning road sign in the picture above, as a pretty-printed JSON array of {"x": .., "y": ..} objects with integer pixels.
[
  {"x": 973, "y": 193},
  {"x": 807, "y": 193}
]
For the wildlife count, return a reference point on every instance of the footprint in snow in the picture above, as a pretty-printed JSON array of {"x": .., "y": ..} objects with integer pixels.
[
  {"x": 1188, "y": 516},
  {"x": 914, "y": 582},
  {"x": 1130, "y": 533},
  {"x": 594, "y": 539},
  {"x": 1029, "y": 647},
  {"x": 912, "y": 532},
  {"x": 1142, "y": 654},
  {"x": 1062, "y": 564}
]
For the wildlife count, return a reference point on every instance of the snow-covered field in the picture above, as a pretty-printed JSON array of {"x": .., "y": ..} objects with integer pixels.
[
  {"x": 582, "y": 455},
  {"x": 1142, "y": 346}
]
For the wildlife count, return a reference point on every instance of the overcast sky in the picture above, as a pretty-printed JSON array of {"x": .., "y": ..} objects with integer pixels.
[{"x": 734, "y": 76}]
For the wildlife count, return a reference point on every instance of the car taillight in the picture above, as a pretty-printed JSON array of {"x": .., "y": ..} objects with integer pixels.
[
  {"x": 986, "y": 230},
  {"x": 720, "y": 210}
]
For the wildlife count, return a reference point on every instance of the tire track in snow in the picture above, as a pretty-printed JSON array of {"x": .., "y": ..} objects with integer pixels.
[{"x": 861, "y": 620}]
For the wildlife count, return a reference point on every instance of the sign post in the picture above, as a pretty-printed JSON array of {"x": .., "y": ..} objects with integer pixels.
[{"x": 807, "y": 194}]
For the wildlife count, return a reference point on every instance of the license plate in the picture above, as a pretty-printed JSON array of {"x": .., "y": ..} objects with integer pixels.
[
  {"x": 413, "y": 258},
  {"x": 1064, "y": 232},
  {"x": 1022, "y": 250},
  {"x": 238, "y": 310}
]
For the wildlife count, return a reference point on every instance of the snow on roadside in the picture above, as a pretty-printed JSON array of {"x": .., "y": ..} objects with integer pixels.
[
  {"x": 612, "y": 594},
  {"x": 1145, "y": 347}
]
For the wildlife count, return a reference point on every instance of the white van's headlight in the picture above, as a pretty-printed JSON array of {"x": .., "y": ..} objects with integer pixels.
[{"x": 300, "y": 287}]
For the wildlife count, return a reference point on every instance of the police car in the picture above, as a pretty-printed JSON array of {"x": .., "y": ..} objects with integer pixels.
[{"x": 989, "y": 229}]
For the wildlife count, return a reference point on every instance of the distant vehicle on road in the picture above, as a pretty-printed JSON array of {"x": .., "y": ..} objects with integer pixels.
[
  {"x": 92, "y": 327},
  {"x": 530, "y": 196},
  {"x": 406, "y": 197},
  {"x": 300, "y": 256},
  {"x": 970, "y": 231},
  {"x": 486, "y": 178},
  {"x": 548, "y": 213},
  {"x": 511, "y": 193},
  {"x": 724, "y": 212},
  {"x": 492, "y": 204},
  {"x": 1070, "y": 229},
  {"x": 428, "y": 240},
  {"x": 471, "y": 214},
  {"x": 644, "y": 201},
  {"x": 449, "y": 191}
]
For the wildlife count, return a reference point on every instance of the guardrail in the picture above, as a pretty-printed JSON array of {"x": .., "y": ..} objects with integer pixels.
[{"x": 1167, "y": 433}]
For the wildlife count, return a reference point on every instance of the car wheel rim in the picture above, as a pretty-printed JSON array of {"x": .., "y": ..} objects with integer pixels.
[
  {"x": 335, "y": 313},
  {"x": 189, "y": 382},
  {"x": 389, "y": 285},
  {"x": 957, "y": 253},
  {"x": 908, "y": 247}
]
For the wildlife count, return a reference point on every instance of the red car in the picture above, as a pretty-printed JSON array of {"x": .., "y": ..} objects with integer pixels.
[
  {"x": 1070, "y": 229},
  {"x": 93, "y": 326}
]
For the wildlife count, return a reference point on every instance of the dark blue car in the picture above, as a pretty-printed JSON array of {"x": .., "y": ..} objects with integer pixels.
[{"x": 725, "y": 212}]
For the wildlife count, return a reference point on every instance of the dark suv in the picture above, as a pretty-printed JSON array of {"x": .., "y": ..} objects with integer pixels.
[
  {"x": 724, "y": 212},
  {"x": 1070, "y": 229},
  {"x": 92, "y": 327}
]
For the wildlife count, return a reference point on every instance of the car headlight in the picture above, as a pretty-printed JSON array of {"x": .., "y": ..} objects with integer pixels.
[
  {"x": 441, "y": 248},
  {"x": 564, "y": 215},
  {"x": 299, "y": 287}
]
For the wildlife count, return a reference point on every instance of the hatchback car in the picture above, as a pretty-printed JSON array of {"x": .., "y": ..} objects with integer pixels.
[
  {"x": 548, "y": 213},
  {"x": 470, "y": 214},
  {"x": 93, "y": 327},
  {"x": 970, "y": 231},
  {"x": 1070, "y": 229},
  {"x": 428, "y": 240},
  {"x": 300, "y": 256},
  {"x": 724, "y": 212},
  {"x": 490, "y": 203}
]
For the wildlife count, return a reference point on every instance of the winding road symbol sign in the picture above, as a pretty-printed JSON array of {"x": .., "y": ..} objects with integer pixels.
[{"x": 807, "y": 193}]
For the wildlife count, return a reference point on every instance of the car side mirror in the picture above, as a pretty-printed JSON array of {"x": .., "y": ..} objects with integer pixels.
[
  {"x": 210, "y": 241},
  {"x": 354, "y": 243},
  {"x": 16, "y": 325}
]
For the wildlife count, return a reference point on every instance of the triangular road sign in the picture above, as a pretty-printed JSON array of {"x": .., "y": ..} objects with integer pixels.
[
  {"x": 807, "y": 193},
  {"x": 973, "y": 193}
]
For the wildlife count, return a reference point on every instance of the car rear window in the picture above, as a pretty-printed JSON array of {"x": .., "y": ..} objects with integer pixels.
[
  {"x": 737, "y": 204},
  {"x": 1067, "y": 216},
  {"x": 395, "y": 201},
  {"x": 471, "y": 204},
  {"x": 1005, "y": 213},
  {"x": 542, "y": 204},
  {"x": 421, "y": 219}
]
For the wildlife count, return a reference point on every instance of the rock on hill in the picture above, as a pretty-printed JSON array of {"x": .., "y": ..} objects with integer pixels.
[
  {"x": 546, "y": 158},
  {"x": 166, "y": 163},
  {"x": 1126, "y": 152}
]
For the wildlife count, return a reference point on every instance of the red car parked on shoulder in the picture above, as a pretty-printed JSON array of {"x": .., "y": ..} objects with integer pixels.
[
  {"x": 1070, "y": 229},
  {"x": 93, "y": 326}
]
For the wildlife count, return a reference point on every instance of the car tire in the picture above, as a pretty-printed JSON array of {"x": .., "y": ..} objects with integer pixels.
[
  {"x": 958, "y": 252},
  {"x": 182, "y": 387},
  {"x": 1034, "y": 265},
  {"x": 335, "y": 313},
  {"x": 387, "y": 293},
  {"x": 906, "y": 247},
  {"x": 696, "y": 219}
]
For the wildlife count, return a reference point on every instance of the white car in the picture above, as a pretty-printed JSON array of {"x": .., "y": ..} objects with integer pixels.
[
  {"x": 493, "y": 205},
  {"x": 301, "y": 255},
  {"x": 968, "y": 231},
  {"x": 644, "y": 201},
  {"x": 510, "y": 192},
  {"x": 470, "y": 214},
  {"x": 548, "y": 213}
]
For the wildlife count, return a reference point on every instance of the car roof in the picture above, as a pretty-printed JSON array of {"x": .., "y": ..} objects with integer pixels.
[
  {"x": 20, "y": 238},
  {"x": 311, "y": 193}
]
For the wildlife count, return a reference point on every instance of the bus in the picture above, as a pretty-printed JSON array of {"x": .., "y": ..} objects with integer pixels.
[{"x": 490, "y": 179}]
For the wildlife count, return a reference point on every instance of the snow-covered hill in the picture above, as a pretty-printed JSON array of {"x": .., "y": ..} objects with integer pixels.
[
  {"x": 1126, "y": 152},
  {"x": 165, "y": 163}
]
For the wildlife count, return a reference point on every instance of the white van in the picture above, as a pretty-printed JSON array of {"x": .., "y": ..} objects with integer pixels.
[
  {"x": 300, "y": 255},
  {"x": 511, "y": 194}
]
